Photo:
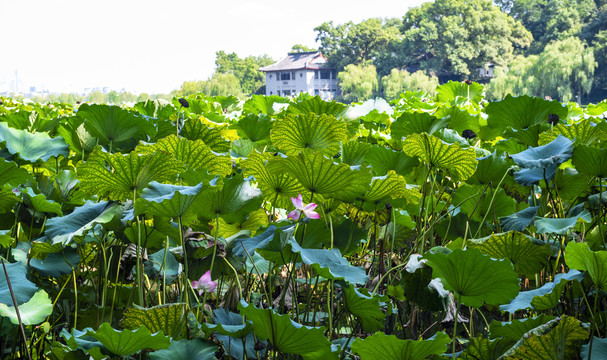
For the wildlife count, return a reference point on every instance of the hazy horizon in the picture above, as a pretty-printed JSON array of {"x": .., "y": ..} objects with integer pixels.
[{"x": 69, "y": 45}]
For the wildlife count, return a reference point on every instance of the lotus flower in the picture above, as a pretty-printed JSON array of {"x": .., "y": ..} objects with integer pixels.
[
  {"x": 204, "y": 284},
  {"x": 307, "y": 209}
]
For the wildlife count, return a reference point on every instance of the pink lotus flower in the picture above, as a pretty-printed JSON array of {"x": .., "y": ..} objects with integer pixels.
[
  {"x": 204, "y": 284},
  {"x": 308, "y": 210}
]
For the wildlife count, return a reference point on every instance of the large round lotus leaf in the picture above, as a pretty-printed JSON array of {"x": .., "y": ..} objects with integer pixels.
[
  {"x": 383, "y": 160},
  {"x": 39, "y": 203},
  {"x": 367, "y": 308},
  {"x": 599, "y": 348},
  {"x": 166, "y": 200},
  {"x": 584, "y": 132},
  {"x": 195, "y": 349},
  {"x": 32, "y": 147},
  {"x": 56, "y": 264},
  {"x": 63, "y": 229},
  {"x": 556, "y": 152},
  {"x": 459, "y": 163},
  {"x": 522, "y": 112},
  {"x": 162, "y": 266},
  {"x": 519, "y": 220},
  {"x": 590, "y": 161},
  {"x": 13, "y": 175},
  {"x": 75, "y": 135},
  {"x": 597, "y": 109},
  {"x": 390, "y": 186},
  {"x": 309, "y": 131},
  {"x": 561, "y": 226},
  {"x": 127, "y": 342},
  {"x": 528, "y": 255},
  {"x": 193, "y": 154},
  {"x": 478, "y": 202},
  {"x": 389, "y": 347},
  {"x": 210, "y": 133},
  {"x": 490, "y": 169},
  {"x": 33, "y": 312},
  {"x": 229, "y": 322},
  {"x": 114, "y": 126},
  {"x": 475, "y": 277},
  {"x": 483, "y": 348},
  {"x": 416, "y": 123},
  {"x": 317, "y": 106},
  {"x": 287, "y": 336},
  {"x": 159, "y": 109},
  {"x": 259, "y": 104},
  {"x": 556, "y": 339},
  {"x": 255, "y": 127},
  {"x": 121, "y": 177},
  {"x": 579, "y": 256},
  {"x": 233, "y": 201},
  {"x": 321, "y": 175},
  {"x": 544, "y": 298},
  {"x": 515, "y": 329},
  {"x": 21, "y": 286},
  {"x": 452, "y": 90},
  {"x": 460, "y": 118},
  {"x": 353, "y": 152},
  {"x": 169, "y": 318}
]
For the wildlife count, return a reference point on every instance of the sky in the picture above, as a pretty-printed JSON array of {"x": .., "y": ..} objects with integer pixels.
[{"x": 154, "y": 46}]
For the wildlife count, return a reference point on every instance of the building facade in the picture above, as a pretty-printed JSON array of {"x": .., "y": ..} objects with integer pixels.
[{"x": 307, "y": 72}]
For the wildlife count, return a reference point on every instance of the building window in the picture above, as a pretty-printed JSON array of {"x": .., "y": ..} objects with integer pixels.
[
  {"x": 300, "y": 74},
  {"x": 334, "y": 75},
  {"x": 325, "y": 74},
  {"x": 278, "y": 92},
  {"x": 270, "y": 93},
  {"x": 270, "y": 76},
  {"x": 316, "y": 92},
  {"x": 285, "y": 76},
  {"x": 315, "y": 74},
  {"x": 293, "y": 75},
  {"x": 286, "y": 92}
]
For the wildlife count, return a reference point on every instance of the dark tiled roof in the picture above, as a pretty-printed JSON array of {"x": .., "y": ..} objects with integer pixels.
[{"x": 298, "y": 61}]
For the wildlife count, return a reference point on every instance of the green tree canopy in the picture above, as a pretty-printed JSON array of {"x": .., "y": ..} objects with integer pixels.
[
  {"x": 400, "y": 81},
  {"x": 358, "y": 82},
  {"x": 245, "y": 70}
]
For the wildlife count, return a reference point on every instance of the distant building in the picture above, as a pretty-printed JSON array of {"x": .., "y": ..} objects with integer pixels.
[{"x": 308, "y": 72}]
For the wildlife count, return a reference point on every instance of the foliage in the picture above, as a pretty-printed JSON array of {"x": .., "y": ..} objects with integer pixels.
[{"x": 358, "y": 82}]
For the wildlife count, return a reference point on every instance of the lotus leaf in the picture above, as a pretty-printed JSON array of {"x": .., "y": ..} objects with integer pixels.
[
  {"x": 522, "y": 112},
  {"x": 449, "y": 92},
  {"x": 515, "y": 329},
  {"x": 353, "y": 152},
  {"x": 383, "y": 160},
  {"x": 317, "y": 132},
  {"x": 584, "y": 132},
  {"x": 255, "y": 127},
  {"x": 169, "y": 319},
  {"x": 389, "y": 347},
  {"x": 590, "y": 161},
  {"x": 22, "y": 287},
  {"x": 599, "y": 348},
  {"x": 367, "y": 308},
  {"x": 195, "y": 349},
  {"x": 483, "y": 348},
  {"x": 32, "y": 312},
  {"x": 479, "y": 202},
  {"x": 128, "y": 342},
  {"x": 13, "y": 175},
  {"x": 32, "y": 147},
  {"x": 519, "y": 220},
  {"x": 317, "y": 106},
  {"x": 416, "y": 123},
  {"x": 211, "y": 134},
  {"x": 65, "y": 228},
  {"x": 579, "y": 256},
  {"x": 160, "y": 266},
  {"x": 561, "y": 226},
  {"x": 259, "y": 104}
]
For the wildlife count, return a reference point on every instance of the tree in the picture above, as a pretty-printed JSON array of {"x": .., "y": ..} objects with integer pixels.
[
  {"x": 400, "y": 81},
  {"x": 357, "y": 43},
  {"x": 223, "y": 85},
  {"x": 245, "y": 70},
  {"x": 516, "y": 79},
  {"x": 299, "y": 48},
  {"x": 460, "y": 36},
  {"x": 358, "y": 82}
]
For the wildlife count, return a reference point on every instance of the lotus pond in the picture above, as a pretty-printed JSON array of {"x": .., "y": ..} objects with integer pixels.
[{"x": 208, "y": 228}]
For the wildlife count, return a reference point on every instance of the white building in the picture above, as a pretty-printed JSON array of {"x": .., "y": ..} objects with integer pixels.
[{"x": 302, "y": 72}]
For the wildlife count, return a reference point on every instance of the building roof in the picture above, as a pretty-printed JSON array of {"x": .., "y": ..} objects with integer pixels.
[{"x": 298, "y": 61}]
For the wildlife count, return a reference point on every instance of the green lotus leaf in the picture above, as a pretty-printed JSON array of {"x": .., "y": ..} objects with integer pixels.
[
  {"x": 353, "y": 152},
  {"x": 416, "y": 123},
  {"x": 8, "y": 199},
  {"x": 590, "y": 161},
  {"x": 259, "y": 104},
  {"x": 452, "y": 90},
  {"x": 254, "y": 221},
  {"x": 65, "y": 228},
  {"x": 287, "y": 336},
  {"x": 556, "y": 152},
  {"x": 317, "y": 106},
  {"x": 556, "y": 339},
  {"x": 200, "y": 104},
  {"x": 579, "y": 256},
  {"x": 483, "y": 348},
  {"x": 451, "y": 158},
  {"x": 544, "y": 298},
  {"x": 39, "y": 203},
  {"x": 570, "y": 184},
  {"x": 561, "y": 226},
  {"x": 515, "y": 329},
  {"x": 599, "y": 347},
  {"x": 490, "y": 170},
  {"x": 163, "y": 267},
  {"x": 519, "y": 220},
  {"x": 211, "y": 134},
  {"x": 233, "y": 344},
  {"x": 390, "y": 186},
  {"x": 317, "y": 132},
  {"x": 367, "y": 308},
  {"x": 115, "y": 127},
  {"x": 255, "y": 127},
  {"x": 527, "y": 137},
  {"x": 389, "y": 347},
  {"x": 13, "y": 175},
  {"x": 78, "y": 139},
  {"x": 321, "y": 175},
  {"x": 20, "y": 120},
  {"x": 416, "y": 289},
  {"x": 241, "y": 246},
  {"x": 476, "y": 202},
  {"x": 193, "y": 154},
  {"x": 32, "y": 147},
  {"x": 460, "y": 118},
  {"x": 121, "y": 177},
  {"x": 159, "y": 109},
  {"x": 6, "y": 239},
  {"x": 169, "y": 319},
  {"x": 166, "y": 200},
  {"x": 597, "y": 109},
  {"x": 22, "y": 287},
  {"x": 474, "y": 277},
  {"x": 277, "y": 188},
  {"x": 522, "y": 112},
  {"x": 329, "y": 263},
  {"x": 584, "y": 132},
  {"x": 128, "y": 342},
  {"x": 383, "y": 160},
  {"x": 195, "y": 349},
  {"x": 528, "y": 255},
  {"x": 233, "y": 330},
  {"x": 233, "y": 201},
  {"x": 56, "y": 264},
  {"x": 32, "y": 312}
]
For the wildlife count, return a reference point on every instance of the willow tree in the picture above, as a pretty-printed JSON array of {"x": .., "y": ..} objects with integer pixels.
[
  {"x": 400, "y": 81},
  {"x": 358, "y": 82}
]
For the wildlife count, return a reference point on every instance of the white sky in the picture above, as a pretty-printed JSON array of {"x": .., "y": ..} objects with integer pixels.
[{"x": 154, "y": 46}]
